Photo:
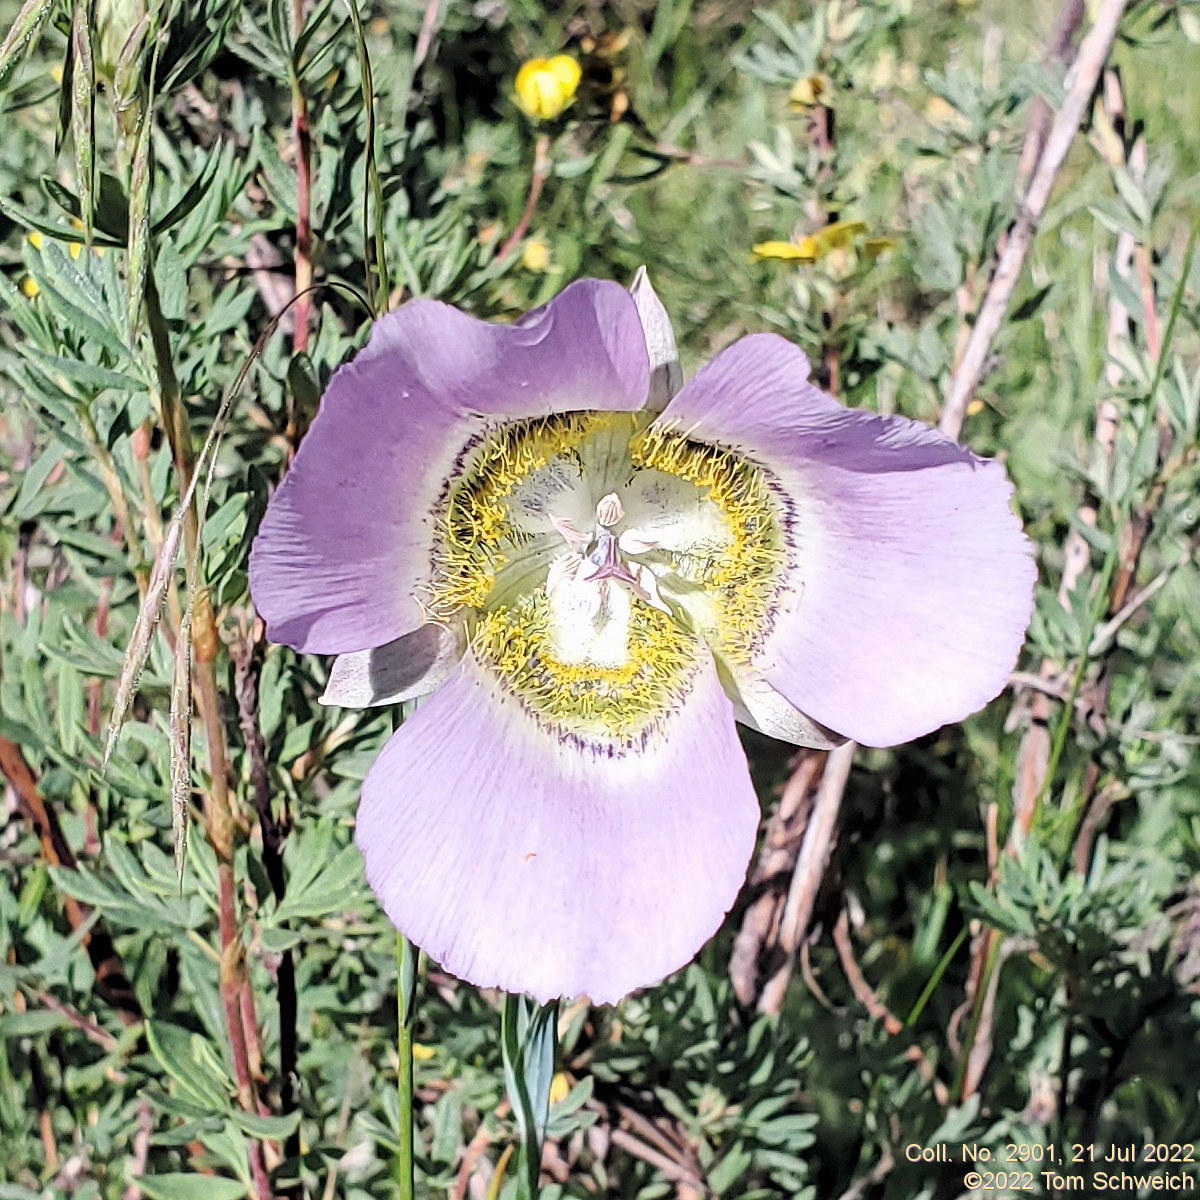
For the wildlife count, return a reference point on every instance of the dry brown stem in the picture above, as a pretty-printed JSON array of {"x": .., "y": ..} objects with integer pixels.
[
  {"x": 541, "y": 169},
  {"x": 1081, "y": 83},
  {"x": 865, "y": 995},
  {"x": 1059, "y": 49},
  {"x": 814, "y": 855},
  {"x": 1034, "y": 753},
  {"x": 302, "y": 151},
  {"x": 111, "y": 981},
  {"x": 768, "y": 883}
]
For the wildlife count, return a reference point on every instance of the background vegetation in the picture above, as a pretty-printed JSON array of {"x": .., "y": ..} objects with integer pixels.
[{"x": 1005, "y": 947}]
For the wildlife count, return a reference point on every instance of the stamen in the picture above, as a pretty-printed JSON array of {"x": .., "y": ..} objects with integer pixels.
[
  {"x": 588, "y": 698},
  {"x": 476, "y": 533},
  {"x": 743, "y": 577},
  {"x": 610, "y": 510}
]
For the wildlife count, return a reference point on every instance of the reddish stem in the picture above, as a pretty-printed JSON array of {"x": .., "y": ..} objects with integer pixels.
[{"x": 541, "y": 169}]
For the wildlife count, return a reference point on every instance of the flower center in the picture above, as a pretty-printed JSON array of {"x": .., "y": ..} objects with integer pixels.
[{"x": 595, "y": 553}]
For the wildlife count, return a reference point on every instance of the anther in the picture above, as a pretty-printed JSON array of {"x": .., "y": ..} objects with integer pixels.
[{"x": 609, "y": 511}]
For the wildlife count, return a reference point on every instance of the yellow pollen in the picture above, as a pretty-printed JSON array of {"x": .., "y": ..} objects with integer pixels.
[
  {"x": 475, "y": 529},
  {"x": 743, "y": 576},
  {"x": 587, "y": 697}
]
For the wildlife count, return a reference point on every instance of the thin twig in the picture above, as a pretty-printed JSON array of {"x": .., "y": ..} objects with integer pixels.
[
  {"x": 1058, "y": 50},
  {"x": 237, "y": 998},
  {"x": 541, "y": 169},
  {"x": 1081, "y": 83},
  {"x": 302, "y": 149},
  {"x": 810, "y": 869},
  {"x": 669, "y": 1168},
  {"x": 773, "y": 868},
  {"x": 111, "y": 981},
  {"x": 876, "y": 1175},
  {"x": 865, "y": 995},
  {"x": 1102, "y": 639},
  {"x": 93, "y": 1032},
  {"x": 1093, "y": 53},
  {"x": 429, "y": 27},
  {"x": 141, "y": 1150},
  {"x": 1033, "y": 759}
]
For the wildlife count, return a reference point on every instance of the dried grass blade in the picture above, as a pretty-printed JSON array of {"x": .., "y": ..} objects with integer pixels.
[
  {"x": 83, "y": 77},
  {"x": 138, "y": 649},
  {"x": 139, "y": 220}
]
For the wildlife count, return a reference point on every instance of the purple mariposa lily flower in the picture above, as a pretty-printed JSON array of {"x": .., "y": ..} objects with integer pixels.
[{"x": 595, "y": 572}]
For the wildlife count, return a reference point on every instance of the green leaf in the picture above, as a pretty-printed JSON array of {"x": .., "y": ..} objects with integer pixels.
[
  {"x": 196, "y": 191},
  {"x": 170, "y": 274},
  {"x": 175, "y": 1051},
  {"x": 24, "y": 30},
  {"x": 191, "y": 1187},
  {"x": 30, "y": 1024},
  {"x": 31, "y": 499},
  {"x": 330, "y": 891},
  {"x": 35, "y": 224},
  {"x": 92, "y": 377},
  {"x": 266, "y": 1127}
]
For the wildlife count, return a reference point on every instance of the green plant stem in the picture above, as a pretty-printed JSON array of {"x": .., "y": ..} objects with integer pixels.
[
  {"x": 376, "y": 295},
  {"x": 529, "y": 1038},
  {"x": 406, "y": 994}
]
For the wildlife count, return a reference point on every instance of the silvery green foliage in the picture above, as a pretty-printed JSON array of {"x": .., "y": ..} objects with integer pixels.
[{"x": 1094, "y": 1023}]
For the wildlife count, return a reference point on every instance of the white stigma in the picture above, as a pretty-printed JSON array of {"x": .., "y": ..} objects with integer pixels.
[{"x": 597, "y": 558}]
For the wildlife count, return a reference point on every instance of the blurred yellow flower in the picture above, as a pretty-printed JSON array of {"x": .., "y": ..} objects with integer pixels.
[
  {"x": 546, "y": 86},
  {"x": 943, "y": 116},
  {"x": 34, "y": 239},
  {"x": 560, "y": 1085},
  {"x": 29, "y": 287},
  {"x": 422, "y": 1053},
  {"x": 801, "y": 251},
  {"x": 535, "y": 255},
  {"x": 840, "y": 235},
  {"x": 808, "y": 91}
]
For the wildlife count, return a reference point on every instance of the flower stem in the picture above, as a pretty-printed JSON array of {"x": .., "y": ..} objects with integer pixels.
[
  {"x": 406, "y": 994},
  {"x": 529, "y": 1038}
]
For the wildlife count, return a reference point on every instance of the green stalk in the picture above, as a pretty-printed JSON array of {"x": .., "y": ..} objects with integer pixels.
[
  {"x": 376, "y": 294},
  {"x": 529, "y": 1038},
  {"x": 406, "y": 996}
]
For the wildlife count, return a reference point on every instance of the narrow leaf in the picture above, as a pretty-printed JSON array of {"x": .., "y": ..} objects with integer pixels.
[
  {"x": 191, "y": 1187},
  {"x": 24, "y": 29},
  {"x": 181, "y": 742}
]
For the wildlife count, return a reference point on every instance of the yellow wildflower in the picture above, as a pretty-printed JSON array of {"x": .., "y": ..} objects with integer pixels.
[
  {"x": 809, "y": 91},
  {"x": 535, "y": 255},
  {"x": 545, "y": 87},
  {"x": 560, "y": 1085},
  {"x": 422, "y": 1053},
  {"x": 29, "y": 287},
  {"x": 839, "y": 236},
  {"x": 801, "y": 251}
]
